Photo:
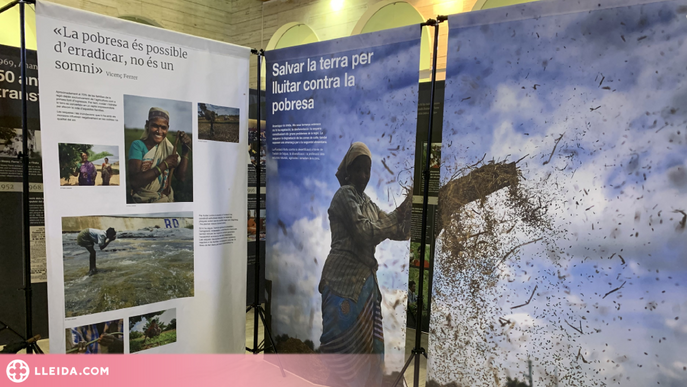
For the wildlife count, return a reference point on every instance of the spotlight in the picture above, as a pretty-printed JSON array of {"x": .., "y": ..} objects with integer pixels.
[{"x": 337, "y": 5}]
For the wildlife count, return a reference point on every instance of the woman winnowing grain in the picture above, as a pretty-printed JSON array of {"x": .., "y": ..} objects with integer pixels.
[{"x": 351, "y": 300}]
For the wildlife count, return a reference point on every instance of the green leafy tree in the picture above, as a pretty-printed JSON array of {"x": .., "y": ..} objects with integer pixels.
[
  {"x": 70, "y": 156},
  {"x": 92, "y": 156},
  {"x": 172, "y": 324},
  {"x": 133, "y": 335}
]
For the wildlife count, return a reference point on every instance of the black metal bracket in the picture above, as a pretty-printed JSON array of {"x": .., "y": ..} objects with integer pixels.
[
  {"x": 15, "y": 2},
  {"x": 8, "y": 6},
  {"x": 429, "y": 23}
]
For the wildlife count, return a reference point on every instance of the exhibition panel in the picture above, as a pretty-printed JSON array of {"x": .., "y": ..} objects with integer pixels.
[
  {"x": 561, "y": 246},
  {"x": 12, "y": 296},
  {"x": 341, "y": 121},
  {"x": 145, "y": 137}
]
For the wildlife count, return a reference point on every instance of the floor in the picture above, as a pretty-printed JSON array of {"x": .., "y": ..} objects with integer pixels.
[
  {"x": 410, "y": 341},
  {"x": 410, "y": 337}
]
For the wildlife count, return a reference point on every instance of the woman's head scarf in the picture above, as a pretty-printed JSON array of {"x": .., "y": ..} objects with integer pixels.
[
  {"x": 152, "y": 113},
  {"x": 356, "y": 149}
]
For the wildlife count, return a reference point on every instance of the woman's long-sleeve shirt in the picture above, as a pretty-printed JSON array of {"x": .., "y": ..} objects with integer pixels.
[{"x": 357, "y": 227}]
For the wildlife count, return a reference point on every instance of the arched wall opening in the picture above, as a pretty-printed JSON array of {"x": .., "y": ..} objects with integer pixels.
[
  {"x": 393, "y": 14},
  {"x": 288, "y": 35}
]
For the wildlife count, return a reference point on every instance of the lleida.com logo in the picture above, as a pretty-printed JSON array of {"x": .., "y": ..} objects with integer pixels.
[{"x": 17, "y": 371}]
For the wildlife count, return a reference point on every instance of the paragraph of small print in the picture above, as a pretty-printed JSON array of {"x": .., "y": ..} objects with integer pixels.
[{"x": 216, "y": 229}]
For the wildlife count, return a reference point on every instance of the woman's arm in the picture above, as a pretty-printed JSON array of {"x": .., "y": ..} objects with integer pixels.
[
  {"x": 402, "y": 214},
  {"x": 180, "y": 172},
  {"x": 138, "y": 178},
  {"x": 361, "y": 227}
]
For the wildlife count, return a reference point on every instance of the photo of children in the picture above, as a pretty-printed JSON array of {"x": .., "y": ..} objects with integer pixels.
[
  {"x": 152, "y": 330},
  {"x": 104, "y": 337},
  {"x": 88, "y": 164},
  {"x": 158, "y": 142}
]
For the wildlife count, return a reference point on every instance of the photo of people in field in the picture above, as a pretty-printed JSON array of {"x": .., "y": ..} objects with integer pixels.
[
  {"x": 152, "y": 330},
  {"x": 218, "y": 123}
]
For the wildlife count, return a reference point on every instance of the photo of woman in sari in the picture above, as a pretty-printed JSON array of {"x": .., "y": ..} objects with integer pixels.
[
  {"x": 351, "y": 299},
  {"x": 106, "y": 171},
  {"x": 153, "y": 158}
]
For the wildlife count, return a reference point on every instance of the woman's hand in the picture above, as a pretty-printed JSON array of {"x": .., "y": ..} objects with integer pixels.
[
  {"x": 404, "y": 212},
  {"x": 171, "y": 161},
  {"x": 405, "y": 209},
  {"x": 186, "y": 142},
  {"x": 82, "y": 345}
]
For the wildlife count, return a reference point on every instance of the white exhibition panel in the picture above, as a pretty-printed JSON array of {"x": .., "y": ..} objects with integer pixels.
[{"x": 99, "y": 74}]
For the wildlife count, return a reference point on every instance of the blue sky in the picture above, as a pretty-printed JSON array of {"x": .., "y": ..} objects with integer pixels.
[
  {"x": 612, "y": 83},
  {"x": 222, "y": 110},
  {"x": 381, "y": 111},
  {"x": 166, "y": 317}
]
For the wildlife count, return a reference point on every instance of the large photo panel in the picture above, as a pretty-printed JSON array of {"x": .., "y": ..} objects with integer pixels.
[
  {"x": 341, "y": 140},
  {"x": 561, "y": 250}
]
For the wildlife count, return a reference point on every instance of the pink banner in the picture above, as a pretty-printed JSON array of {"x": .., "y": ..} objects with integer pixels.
[
  {"x": 154, "y": 370},
  {"x": 180, "y": 370}
]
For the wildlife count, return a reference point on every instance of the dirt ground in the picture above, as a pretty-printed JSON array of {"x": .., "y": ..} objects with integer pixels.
[
  {"x": 224, "y": 131},
  {"x": 114, "y": 179}
]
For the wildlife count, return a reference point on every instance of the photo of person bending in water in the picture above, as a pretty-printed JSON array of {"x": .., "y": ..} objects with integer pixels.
[
  {"x": 91, "y": 237},
  {"x": 159, "y": 166},
  {"x": 151, "y": 260},
  {"x": 351, "y": 298}
]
